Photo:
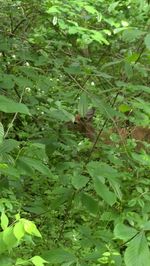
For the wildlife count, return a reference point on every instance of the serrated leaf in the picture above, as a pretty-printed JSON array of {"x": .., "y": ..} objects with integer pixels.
[
  {"x": 9, "y": 106},
  {"x": 137, "y": 252},
  {"x": 18, "y": 230},
  {"x": 124, "y": 232},
  {"x": 4, "y": 220}
]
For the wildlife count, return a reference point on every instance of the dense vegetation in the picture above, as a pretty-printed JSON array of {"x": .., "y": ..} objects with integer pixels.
[{"x": 68, "y": 198}]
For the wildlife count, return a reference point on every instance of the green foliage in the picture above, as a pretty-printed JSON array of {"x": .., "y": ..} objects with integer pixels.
[{"x": 64, "y": 199}]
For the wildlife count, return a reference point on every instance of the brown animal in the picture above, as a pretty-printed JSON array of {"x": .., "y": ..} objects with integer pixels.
[{"x": 84, "y": 125}]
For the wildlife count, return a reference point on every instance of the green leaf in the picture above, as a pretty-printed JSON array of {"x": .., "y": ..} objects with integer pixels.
[
  {"x": 4, "y": 220},
  {"x": 104, "y": 192},
  {"x": 59, "y": 256},
  {"x": 7, "y": 81},
  {"x": 8, "y": 145},
  {"x": 53, "y": 9},
  {"x": 143, "y": 159},
  {"x": 147, "y": 41},
  {"x": 146, "y": 226},
  {"x": 97, "y": 36},
  {"x": 18, "y": 230},
  {"x": 90, "y": 9},
  {"x": 124, "y": 108},
  {"x": 137, "y": 252},
  {"x": 9, "y": 106},
  {"x": 89, "y": 203},
  {"x": 3, "y": 246},
  {"x": 38, "y": 261},
  {"x": 35, "y": 164},
  {"x": 1, "y": 133},
  {"x": 79, "y": 181},
  {"x": 20, "y": 261},
  {"x": 124, "y": 232},
  {"x": 9, "y": 238},
  {"x": 101, "y": 171},
  {"x": 6, "y": 260},
  {"x": 30, "y": 228},
  {"x": 130, "y": 35}
]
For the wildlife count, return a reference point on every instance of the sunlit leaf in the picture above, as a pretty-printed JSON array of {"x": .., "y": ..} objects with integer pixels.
[{"x": 137, "y": 252}]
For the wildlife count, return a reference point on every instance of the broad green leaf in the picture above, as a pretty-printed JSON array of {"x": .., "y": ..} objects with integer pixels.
[
  {"x": 18, "y": 230},
  {"x": 4, "y": 220},
  {"x": 9, "y": 238},
  {"x": 6, "y": 260},
  {"x": 146, "y": 226},
  {"x": 58, "y": 256},
  {"x": 38, "y": 261},
  {"x": 1, "y": 133},
  {"x": 30, "y": 228},
  {"x": 35, "y": 164},
  {"x": 3, "y": 246},
  {"x": 147, "y": 41},
  {"x": 79, "y": 181},
  {"x": 101, "y": 171},
  {"x": 104, "y": 192},
  {"x": 89, "y": 203},
  {"x": 9, "y": 106},
  {"x": 137, "y": 252},
  {"x": 124, "y": 232}
]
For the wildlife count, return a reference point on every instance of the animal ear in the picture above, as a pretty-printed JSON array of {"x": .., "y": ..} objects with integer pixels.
[{"x": 90, "y": 113}]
